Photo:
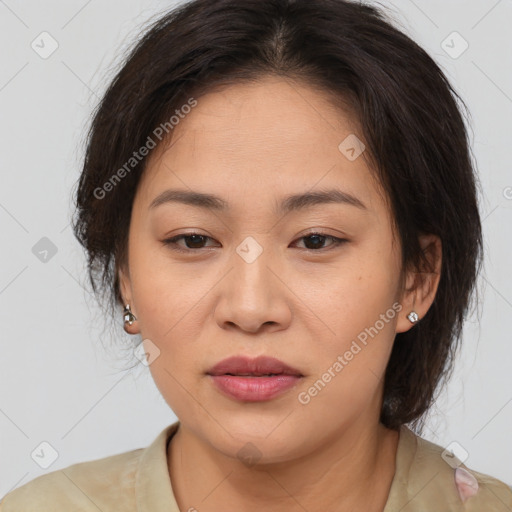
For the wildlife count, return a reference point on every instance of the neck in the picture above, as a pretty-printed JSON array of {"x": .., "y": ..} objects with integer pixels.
[{"x": 354, "y": 470}]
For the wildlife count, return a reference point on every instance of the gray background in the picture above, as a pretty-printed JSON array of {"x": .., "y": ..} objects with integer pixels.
[{"x": 62, "y": 377}]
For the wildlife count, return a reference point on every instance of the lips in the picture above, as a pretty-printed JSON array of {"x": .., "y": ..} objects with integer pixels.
[
  {"x": 253, "y": 380},
  {"x": 258, "y": 367}
]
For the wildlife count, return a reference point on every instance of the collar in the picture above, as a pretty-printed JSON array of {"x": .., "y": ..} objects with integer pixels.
[
  {"x": 153, "y": 490},
  {"x": 420, "y": 476}
]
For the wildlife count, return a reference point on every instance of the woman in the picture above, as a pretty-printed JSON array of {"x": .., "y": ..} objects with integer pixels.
[{"x": 280, "y": 195}]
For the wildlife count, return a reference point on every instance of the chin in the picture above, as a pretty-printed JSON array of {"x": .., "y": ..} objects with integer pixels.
[{"x": 260, "y": 440}]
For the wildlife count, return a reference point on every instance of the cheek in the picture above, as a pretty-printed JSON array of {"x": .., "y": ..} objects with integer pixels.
[
  {"x": 353, "y": 297},
  {"x": 360, "y": 312},
  {"x": 349, "y": 370},
  {"x": 167, "y": 295},
  {"x": 172, "y": 379}
]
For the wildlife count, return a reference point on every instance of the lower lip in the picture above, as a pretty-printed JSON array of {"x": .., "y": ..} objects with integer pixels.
[{"x": 254, "y": 389}]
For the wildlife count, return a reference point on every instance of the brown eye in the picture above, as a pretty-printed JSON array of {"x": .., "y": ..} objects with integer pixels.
[
  {"x": 316, "y": 241},
  {"x": 192, "y": 241}
]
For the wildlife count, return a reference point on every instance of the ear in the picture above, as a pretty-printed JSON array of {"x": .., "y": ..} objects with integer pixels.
[
  {"x": 421, "y": 284},
  {"x": 126, "y": 293}
]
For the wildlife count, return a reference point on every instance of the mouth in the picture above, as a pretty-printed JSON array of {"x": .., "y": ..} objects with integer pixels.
[
  {"x": 253, "y": 380},
  {"x": 258, "y": 367},
  {"x": 255, "y": 374}
]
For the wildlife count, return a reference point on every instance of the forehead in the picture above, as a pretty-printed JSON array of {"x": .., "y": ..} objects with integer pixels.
[{"x": 259, "y": 139}]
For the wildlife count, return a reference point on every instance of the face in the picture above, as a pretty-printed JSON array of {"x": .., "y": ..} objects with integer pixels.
[{"x": 313, "y": 283}]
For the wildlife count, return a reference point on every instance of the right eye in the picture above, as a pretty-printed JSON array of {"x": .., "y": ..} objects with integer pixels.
[{"x": 192, "y": 241}]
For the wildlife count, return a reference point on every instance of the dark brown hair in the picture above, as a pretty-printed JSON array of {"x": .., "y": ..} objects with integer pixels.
[{"x": 410, "y": 119}]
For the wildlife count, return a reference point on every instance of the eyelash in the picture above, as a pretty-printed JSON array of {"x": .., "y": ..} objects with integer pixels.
[{"x": 172, "y": 242}]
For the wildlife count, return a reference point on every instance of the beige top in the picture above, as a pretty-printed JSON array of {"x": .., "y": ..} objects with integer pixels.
[{"x": 138, "y": 481}]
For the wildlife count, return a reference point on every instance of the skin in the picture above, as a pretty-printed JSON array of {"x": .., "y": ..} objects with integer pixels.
[{"x": 253, "y": 144}]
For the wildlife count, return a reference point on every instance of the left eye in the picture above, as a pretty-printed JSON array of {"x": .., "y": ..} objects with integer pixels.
[
  {"x": 196, "y": 240},
  {"x": 320, "y": 238}
]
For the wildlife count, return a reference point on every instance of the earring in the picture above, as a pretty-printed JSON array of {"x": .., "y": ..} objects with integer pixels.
[
  {"x": 413, "y": 317},
  {"x": 128, "y": 316}
]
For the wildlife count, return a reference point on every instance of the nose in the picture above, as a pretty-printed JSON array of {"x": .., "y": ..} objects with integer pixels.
[{"x": 253, "y": 296}]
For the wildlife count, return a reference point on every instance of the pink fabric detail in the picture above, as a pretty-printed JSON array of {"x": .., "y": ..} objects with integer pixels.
[{"x": 466, "y": 483}]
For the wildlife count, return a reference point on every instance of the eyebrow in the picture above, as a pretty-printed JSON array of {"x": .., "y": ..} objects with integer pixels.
[{"x": 294, "y": 202}]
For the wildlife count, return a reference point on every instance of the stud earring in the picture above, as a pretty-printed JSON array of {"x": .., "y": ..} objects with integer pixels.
[
  {"x": 413, "y": 317},
  {"x": 128, "y": 316}
]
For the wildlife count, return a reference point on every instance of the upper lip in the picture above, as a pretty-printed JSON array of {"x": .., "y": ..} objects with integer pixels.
[{"x": 262, "y": 365}]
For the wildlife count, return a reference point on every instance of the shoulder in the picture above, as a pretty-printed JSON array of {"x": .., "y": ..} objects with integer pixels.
[
  {"x": 102, "y": 484},
  {"x": 435, "y": 478}
]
